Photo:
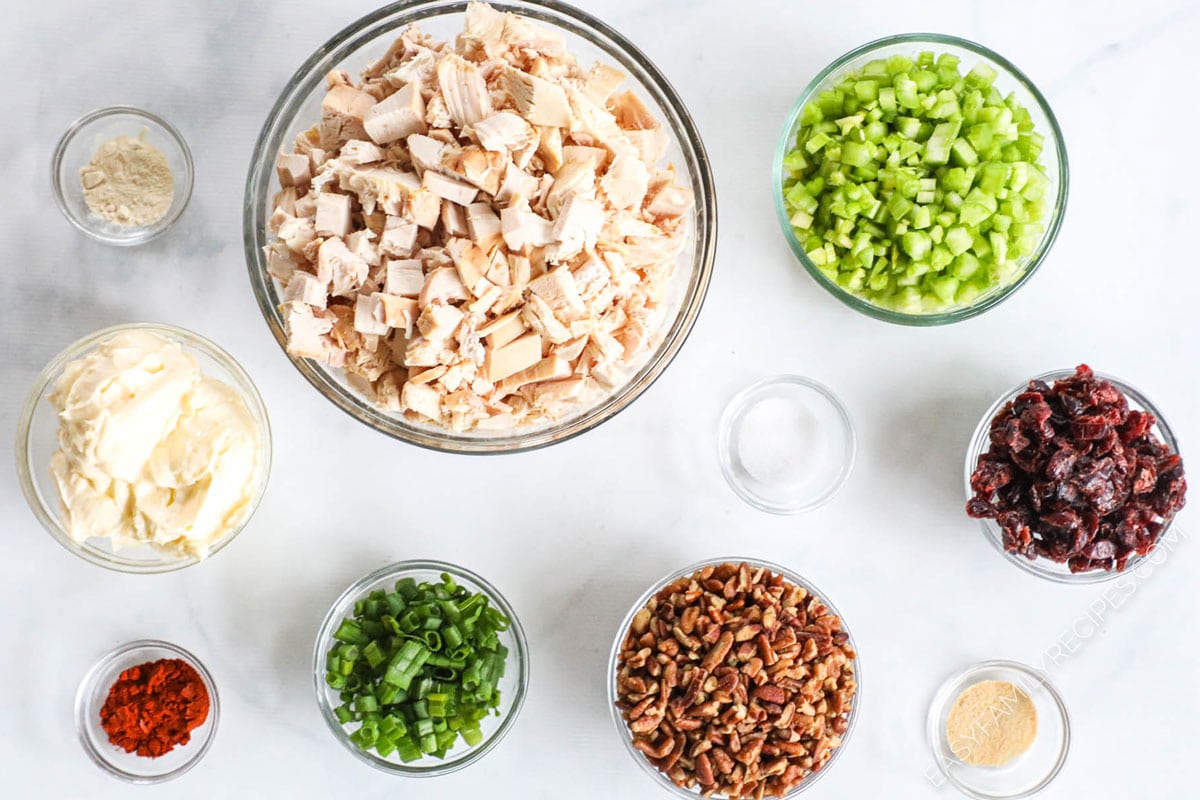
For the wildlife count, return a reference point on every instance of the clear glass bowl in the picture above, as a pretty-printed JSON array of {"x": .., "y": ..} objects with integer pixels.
[
  {"x": 75, "y": 150},
  {"x": 513, "y": 686},
  {"x": 1044, "y": 567},
  {"x": 1009, "y": 79},
  {"x": 1030, "y": 772},
  {"x": 93, "y": 691},
  {"x": 298, "y": 108},
  {"x": 37, "y": 439},
  {"x": 611, "y": 676},
  {"x": 786, "y": 444}
]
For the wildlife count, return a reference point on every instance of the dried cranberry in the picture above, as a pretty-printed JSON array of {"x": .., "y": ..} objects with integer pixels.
[{"x": 1075, "y": 476}]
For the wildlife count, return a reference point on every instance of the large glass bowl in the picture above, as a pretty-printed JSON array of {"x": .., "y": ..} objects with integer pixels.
[
  {"x": 37, "y": 440},
  {"x": 514, "y": 685},
  {"x": 980, "y": 442},
  {"x": 298, "y": 108},
  {"x": 611, "y": 675},
  {"x": 1009, "y": 79}
]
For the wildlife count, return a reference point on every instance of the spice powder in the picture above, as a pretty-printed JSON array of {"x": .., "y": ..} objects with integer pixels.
[
  {"x": 991, "y": 723},
  {"x": 128, "y": 181}
]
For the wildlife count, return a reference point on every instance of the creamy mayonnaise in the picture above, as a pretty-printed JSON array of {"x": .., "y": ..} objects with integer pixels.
[{"x": 151, "y": 451}]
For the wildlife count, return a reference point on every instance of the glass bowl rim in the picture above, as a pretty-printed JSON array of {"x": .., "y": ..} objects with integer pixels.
[
  {"x": 88, "y": 682},
  {"x": 145, "y": 233},
  {"x": 622, "y": 726},
  {"x": 976, "y": 448},
  {"x": 344, "y": 602},
  {"x": 675, "y": 331},
  {"x": 942, "y": 696},
  {"x": 243, "y": 384},
  {"x": 1045, "y": 244},
  {"x": 737, "y": 404}
]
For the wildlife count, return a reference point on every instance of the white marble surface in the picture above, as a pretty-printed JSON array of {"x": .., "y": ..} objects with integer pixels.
[{"x": 573, "y": 534}]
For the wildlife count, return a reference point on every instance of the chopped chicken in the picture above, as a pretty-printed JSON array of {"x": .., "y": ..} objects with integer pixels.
[
  {"x": 400, "y": 313},
  {"x": 463, "y": 90},
  {"x": 399, "y": 237},
  {"x": 333, "y": 214},
  {"x": 481, "y": 232},
  {"x": 522, "y": 352},
  {"x": 398, "y": 116},
  {"x": 423, "y": 399},
  {"x": 443, "y": 284},
  {"x": 368, "y": 314},
  {"x": 337, "y": 266},
  {"x": 447, "y": 188},
  {"x": 342, "y": 113},
  {"x": 501, "y": 132},
  {"x": 356, "y": 151},
  {"x": 404, "y": 277},
  {"x": 294, "y": 169},
  {"x": 540, "y": 102},
  {"x": 304, "y": 287}
]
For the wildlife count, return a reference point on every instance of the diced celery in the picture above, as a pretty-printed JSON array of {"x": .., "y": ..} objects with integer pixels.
[
  {"x": 963, "y": 154},
  {"x": 959, "y": 239},
  {"x": 914, "y": 185},
  {"x": 856, "y": 154},
  {"x": 916, "y": 244},
  {"x": 816, "y": 142},
  {"x": 887, "y": 98},
  {"x": 980, "y": 76}
]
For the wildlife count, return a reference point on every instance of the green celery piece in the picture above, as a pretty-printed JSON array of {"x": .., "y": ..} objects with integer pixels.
[
  {"x": 794, "y": 162},
  {"x": 962, "y": 154},
  {"x": 959, "y": 239},
  {"x": 945, "y": 287},
  {"x": 816, "y": 142},
  {"x": 906, "y": 92},
  {"x": 937, "y": 148},
  {"x": 916, "y": 244},
  {"x": 866, "y": 90},
  {"x": 887, "y": 98},
  {"x": 925, "y": 80},
  {"x": 921, "y": 217},
  {"x": 857, "y": 154},
  {"x": 981, "y": 76},
  {"x": 965, "y": 265}
]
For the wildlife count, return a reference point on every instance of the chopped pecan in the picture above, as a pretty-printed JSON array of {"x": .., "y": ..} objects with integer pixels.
[{"x": 737, "y": 684}]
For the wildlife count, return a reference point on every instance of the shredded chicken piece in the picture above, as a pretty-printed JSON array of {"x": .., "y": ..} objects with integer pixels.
[{"x": 479, "y": 231}]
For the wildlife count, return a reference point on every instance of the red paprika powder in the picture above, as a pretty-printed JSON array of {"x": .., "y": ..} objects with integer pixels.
[{"x": 155, "y": 706}]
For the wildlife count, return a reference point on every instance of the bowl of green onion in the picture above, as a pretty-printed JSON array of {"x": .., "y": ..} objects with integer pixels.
[
  {"x": 420, "y": 668},
  {"x": 921, "y": 179}
]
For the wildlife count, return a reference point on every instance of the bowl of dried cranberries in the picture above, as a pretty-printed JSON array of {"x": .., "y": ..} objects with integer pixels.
[{"x": 1075, "y": 475}]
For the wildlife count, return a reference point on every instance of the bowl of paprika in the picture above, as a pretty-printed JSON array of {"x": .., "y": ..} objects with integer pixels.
[{"x": 147, "y": 711}]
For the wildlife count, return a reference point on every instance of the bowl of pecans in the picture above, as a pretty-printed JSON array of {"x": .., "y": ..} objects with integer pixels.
[{"x": 734, "y": 678}]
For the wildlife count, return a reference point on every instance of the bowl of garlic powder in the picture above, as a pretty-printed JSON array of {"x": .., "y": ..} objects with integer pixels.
[{"x": 122, "y": 175}]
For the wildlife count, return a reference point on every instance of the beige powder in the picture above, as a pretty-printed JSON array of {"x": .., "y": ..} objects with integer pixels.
[
  {"x": 991, "y": 723},
  {"x": 128, "y": 182}
]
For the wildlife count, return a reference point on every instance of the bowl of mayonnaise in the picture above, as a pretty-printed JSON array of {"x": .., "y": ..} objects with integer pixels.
[{"x": 143, "y": 448}]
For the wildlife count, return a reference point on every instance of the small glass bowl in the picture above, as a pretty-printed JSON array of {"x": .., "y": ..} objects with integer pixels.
[
  {"x": 1009, "y": 79},
  {"x": 75, "y": 150},
  {"x": 93, "y": 691},
  {"x": 37, "y": 440},
  {"x": 513, "y": 686},
  {"x": 783, "y": 415},
  {"x": 611, "y": 676},
  {"x": 1044, "y": 567},
  {"x": 1030, "y": 772}
]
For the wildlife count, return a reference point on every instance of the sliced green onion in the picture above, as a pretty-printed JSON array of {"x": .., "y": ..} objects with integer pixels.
[{"x": 417, "y": 668}]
